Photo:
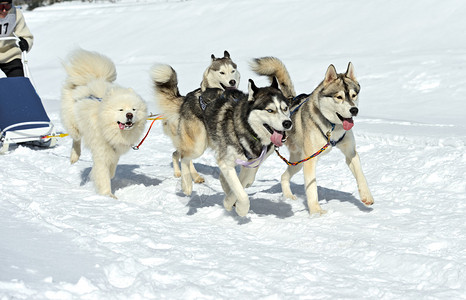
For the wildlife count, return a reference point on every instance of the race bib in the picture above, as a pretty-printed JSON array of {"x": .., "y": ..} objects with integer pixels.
[{"x": 7, "y": 25}]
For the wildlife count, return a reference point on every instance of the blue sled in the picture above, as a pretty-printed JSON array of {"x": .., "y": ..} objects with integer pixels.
[{"x": 22, "y": 115}]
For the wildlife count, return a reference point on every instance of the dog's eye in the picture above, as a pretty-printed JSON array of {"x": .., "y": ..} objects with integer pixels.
[
  {"x": 354, "y": 96},
  {"x": 285, "y": 109},
  {"x": 270, "y": 110},
  {"x": 233, "y": 71},
  {"x": 223, "y": 73},
  {"x": 339, "y": 97},
  {"x": 121, "y": 109},
  {"x": 134, "y": 109}
]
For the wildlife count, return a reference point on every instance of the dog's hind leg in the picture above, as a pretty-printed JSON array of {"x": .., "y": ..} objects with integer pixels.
[
  {"x": 354, "y": 163},
  {"x": 186, "y": 179},
  {"x": 194, "y": 174},
  {"x": 75, "y": 151},
  {"x": 177, "y": 172},
  {"x": 176, "y": 164},
  {"x": 290, "y": 172}
]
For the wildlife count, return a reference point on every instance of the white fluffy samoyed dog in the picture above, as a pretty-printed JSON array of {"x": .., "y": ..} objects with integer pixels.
[{"x": 107, "y": 117}]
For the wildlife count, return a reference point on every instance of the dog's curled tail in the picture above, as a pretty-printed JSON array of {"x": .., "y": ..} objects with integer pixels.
[
  {"x": 167, "y": 95},
  {"x": 84, "y": 66},
  {"x": 273, "y": 67}
]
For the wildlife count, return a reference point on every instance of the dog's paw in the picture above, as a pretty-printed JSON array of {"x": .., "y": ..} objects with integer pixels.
[
  {"x": 242, "y": 208},
  {"x": 314, "y": 208},
  {"x": 317, "y": 212},
  {"x": 199, "y": 179},
  {"x": 187, "y": 185},
  {"x": 368, "y": 201},
  {"x": 187, "y": 192},
  {"x": 290, "y": 196},
  {"x": 177, "y": 174},
  {"x": 112, "y": 196},
  {"x": 74, "y": 157},
  {"x": 228, "y": 202}
]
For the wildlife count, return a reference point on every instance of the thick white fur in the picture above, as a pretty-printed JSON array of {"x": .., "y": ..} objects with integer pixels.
[{"x": 91, "y": 107}]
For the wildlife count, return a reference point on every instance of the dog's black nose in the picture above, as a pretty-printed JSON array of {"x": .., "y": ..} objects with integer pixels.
[
  {"x": 232, "y": 82},
  {"x": 287, "y": 124},
  {"x": 129, "y": 116},
  {"x": 354, "y": 111}
]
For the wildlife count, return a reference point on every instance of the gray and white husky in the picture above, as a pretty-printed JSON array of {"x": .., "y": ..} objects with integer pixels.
[
  {"x": 328, "y": 110},
  {"x": 243, "y": 129},
  {"x": 183, "y": 116}
]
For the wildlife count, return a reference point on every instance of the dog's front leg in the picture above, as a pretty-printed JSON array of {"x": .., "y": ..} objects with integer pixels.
[
  {"x": 290, "y": 171},
  {"x": 112, "y": 168},
  {"x": 310, "y": 185},
  {"x": 238, "y": 192},
  {"x": 75, "y": 151},
  {"x": 247, "y": 176},
  {"x": 354, "y": 163},
  {"x": 101, "y": 177}
]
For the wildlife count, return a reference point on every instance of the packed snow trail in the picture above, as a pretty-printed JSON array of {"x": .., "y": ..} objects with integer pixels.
[{"x": 154, "y": 241}]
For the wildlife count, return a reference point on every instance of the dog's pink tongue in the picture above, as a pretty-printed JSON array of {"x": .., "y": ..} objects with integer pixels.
[
  {"x": 276, "y": 139},
  {"x": 121, "y": 125},
  {"x": 348, "y": 124}
]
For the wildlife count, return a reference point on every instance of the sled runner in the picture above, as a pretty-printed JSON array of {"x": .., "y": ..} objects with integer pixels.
[{"x": 22, "y": 116}]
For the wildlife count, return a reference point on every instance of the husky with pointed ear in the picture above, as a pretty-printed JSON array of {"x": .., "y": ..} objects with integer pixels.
[
  {"x": 244, "y": 129},
  {"x": 107, "y": 117},
  {"x": 328, "y": 110},
  {"x": 183, "y": 114}
]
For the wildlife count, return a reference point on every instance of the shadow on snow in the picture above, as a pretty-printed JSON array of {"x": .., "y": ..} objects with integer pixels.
[{"x": 124, "y": 177}]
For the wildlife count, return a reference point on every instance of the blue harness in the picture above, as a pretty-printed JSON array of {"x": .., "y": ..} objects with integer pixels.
[
  {"x": 92, "y": 97},
  {"x": 202, "y": 103}
]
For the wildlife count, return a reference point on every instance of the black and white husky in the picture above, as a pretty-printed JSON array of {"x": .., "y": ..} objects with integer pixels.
[
  {"x": 243, "y": 129},
  {"x": 183, "y": 116}
]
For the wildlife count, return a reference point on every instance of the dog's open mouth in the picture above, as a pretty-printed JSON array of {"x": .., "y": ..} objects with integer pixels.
[
  {"x": 125, "y": 126},
  {"x": 278, "y": 137},
  {"x": 347, "y": 122}
]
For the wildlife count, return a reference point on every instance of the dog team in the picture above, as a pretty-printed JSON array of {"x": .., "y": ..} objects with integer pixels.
[{"x": 242, "y": 128}]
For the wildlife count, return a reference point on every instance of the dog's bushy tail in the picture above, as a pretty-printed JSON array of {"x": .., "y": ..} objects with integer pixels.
[
  {"x": 167, "y": 95},
  {"x": 271, "y": 66},
  {"x": 85, "y": 66}
]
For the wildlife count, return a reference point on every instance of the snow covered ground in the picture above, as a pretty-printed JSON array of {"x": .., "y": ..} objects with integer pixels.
[{"x": 59, "y": 240}]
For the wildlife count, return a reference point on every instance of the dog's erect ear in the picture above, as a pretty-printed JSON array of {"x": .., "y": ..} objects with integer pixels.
[
  {"x": 275, "y": 83},
  {"x": 331, "y": 74},
  {"x": 252, "y": 88},
  {"x": 350, "y": 72},
  {"x": 212, "y": 57},
  {"x": 226, "y": 54}
]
